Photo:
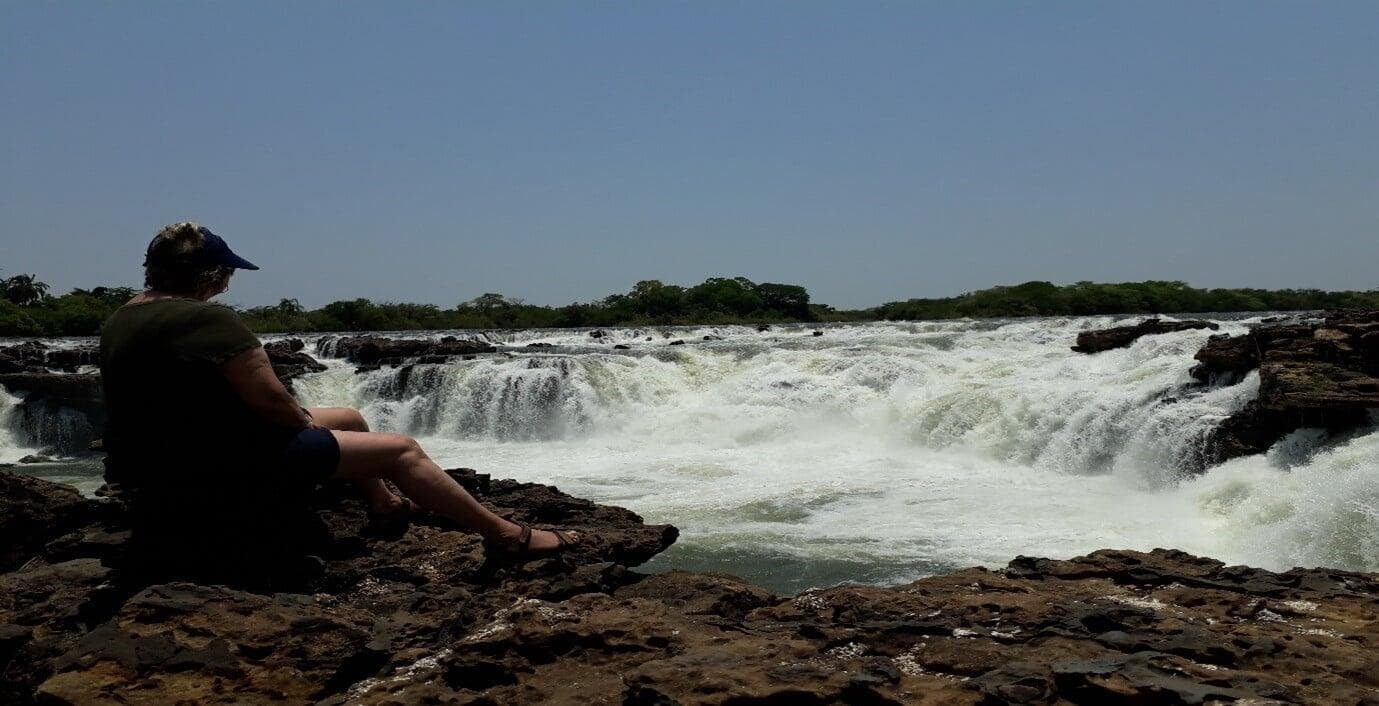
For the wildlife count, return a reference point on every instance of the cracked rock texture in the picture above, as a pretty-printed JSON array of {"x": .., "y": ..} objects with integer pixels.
[
  {"x": 419, "y": 614},
  {"x": 1323, "y": 374}
]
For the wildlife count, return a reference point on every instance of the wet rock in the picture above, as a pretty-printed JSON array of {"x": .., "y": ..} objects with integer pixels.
[
  {"x": 376, "y": 350},
  {"x": 1122, "y": 336},
  {"x": 598, "y": 333},
  {"x": 1225, "y": 359},
  {"x": 289, "y": 361},
  {"x": 1323, "y": 375},
  {"x": 37, "y": 357},
  {"x": 27, "y": 357},
  {"x": 711, "y": 337},
  {"x": 818, "y": 333},
  {"x": 58, "y": 411},
  {"x": 622, "y": 347},
  {"x": 35, "y": 458},
  {"x": 677, "y": 342},
  {"x": 71, "y": 360}
]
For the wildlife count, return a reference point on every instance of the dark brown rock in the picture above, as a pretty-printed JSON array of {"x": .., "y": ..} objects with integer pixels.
[
  {"x": 423, "y": 615},
  {"x": 375, "y": 350},
  {"x": 34, "y": 512},
  {"x": 58, "y": 412},
  {"x": 1323, "y": 375},
  {"x": 1122, "y": 336}
]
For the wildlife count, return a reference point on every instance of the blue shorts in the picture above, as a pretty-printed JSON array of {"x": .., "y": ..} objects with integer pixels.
[{"x": 313, "y": 455}]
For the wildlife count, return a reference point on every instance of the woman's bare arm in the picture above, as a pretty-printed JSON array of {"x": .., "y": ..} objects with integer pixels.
[{"x": 251, "y": 374}]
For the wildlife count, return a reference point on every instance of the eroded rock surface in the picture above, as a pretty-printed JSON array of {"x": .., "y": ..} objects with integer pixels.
[
  {"x": 289, "y": 360},
  {"x": 1324, "y": 375},
  {"x": 1122, "y": 336},
  {"x": 371, "y": 350},
  {"x": 419, "y": 614}
]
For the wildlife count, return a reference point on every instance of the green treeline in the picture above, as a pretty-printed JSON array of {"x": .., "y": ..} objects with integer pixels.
[
  {"x": 1091, "y": 298},
  {"x": 716, "y": 300},
  {"x": 27, "y": 309}
]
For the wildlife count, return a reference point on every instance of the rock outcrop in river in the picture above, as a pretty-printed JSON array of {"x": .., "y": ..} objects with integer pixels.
[
  {"x": 370, "y": 350},
  {"x": 1323, "y": 375},
  {"x": 1121, "y": 336},
  {"x": 420, "y": 615}
]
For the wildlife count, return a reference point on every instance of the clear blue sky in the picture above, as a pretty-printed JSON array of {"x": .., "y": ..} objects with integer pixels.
[{"x": 560, "y": 151}]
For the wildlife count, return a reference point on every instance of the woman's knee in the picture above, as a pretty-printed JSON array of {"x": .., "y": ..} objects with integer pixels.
[
  {"x": 407, "y": 450},
  {"x": 355, "y": 419},
  {"x": 377, "y": 455},
  {"x": 340, "y": 418}
]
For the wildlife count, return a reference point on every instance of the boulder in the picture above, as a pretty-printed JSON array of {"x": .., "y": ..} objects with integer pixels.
[
  {"x": 1122, "y": 336},
  {"x": 289, "y": 361},
  {"x": 34, "y": 512}
]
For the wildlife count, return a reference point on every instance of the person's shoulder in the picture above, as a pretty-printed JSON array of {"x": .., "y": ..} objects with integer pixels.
[{"x": 215, "y": 312}]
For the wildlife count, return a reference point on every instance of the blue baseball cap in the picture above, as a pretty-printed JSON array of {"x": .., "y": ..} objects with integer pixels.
[{"x": 214, "y": 251}]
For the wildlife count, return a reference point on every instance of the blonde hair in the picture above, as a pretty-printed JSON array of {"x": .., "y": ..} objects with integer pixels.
[{"x": 170, "y": 264}]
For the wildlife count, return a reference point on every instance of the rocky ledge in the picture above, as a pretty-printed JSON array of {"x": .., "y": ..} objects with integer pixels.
[
  {"x": 373, "y": 351},
  {"x": 420, "y": 614},
  {"x": 1318, "y": 373},
  {"x": 1121, "y": 336},
  {"x": 1323, "y": 374}
]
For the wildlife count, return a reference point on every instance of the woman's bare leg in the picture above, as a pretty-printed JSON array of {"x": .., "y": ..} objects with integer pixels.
[
  {"x": 376, "y": 493},
  {"x": 400, "y": 459}
]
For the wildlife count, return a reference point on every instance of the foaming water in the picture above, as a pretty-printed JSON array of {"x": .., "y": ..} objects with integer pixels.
[{"x": 883, "y": 452}]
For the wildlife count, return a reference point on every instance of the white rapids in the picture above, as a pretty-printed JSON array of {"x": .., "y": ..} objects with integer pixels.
[{"x": 882, "y": 452}]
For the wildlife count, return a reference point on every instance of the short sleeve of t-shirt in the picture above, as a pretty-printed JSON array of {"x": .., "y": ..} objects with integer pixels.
[{"x": 215, "y": 334}]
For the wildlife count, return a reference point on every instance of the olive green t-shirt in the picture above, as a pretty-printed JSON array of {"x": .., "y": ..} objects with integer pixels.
[{"x": 170, "y": 410}]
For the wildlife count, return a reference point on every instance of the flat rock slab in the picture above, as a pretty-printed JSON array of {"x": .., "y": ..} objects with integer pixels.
[{"x": 423, "y": 615}]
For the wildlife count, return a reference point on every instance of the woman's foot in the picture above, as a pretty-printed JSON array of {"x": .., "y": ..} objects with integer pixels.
[
  {"x": 519, "y": 539},
  {"x": 389, "y": 505},
  {"x": 389, "y": 517}
]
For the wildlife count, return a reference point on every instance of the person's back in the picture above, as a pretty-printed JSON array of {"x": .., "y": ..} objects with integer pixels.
[
  {"x": 212, "y": 445},
  {"x": 172, "y": 414}
]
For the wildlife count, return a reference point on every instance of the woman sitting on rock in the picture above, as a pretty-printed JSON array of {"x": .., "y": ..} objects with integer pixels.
[{"x": 188, "y": 385}]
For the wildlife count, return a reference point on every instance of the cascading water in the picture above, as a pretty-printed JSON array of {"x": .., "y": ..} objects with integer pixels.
[
  {"x": 14, "y": 441},
  {"x": 880, "y": 452}
]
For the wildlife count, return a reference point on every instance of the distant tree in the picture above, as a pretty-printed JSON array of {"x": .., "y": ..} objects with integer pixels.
[
  {"x": 785, "y": 299},
  {"x": 488, "y": 301},
  {"x": 290, "y": 307},
  {"x": 656, "y": 300},
  {"x": 24, "y": 290}
]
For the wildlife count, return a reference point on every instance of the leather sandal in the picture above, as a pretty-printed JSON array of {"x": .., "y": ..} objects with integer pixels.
[
  {"x": 521, "y": 546},
  {"x": 393, "y": 520}
]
